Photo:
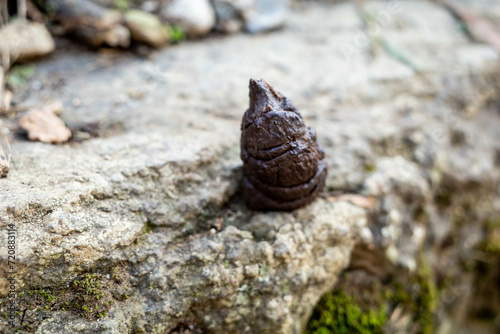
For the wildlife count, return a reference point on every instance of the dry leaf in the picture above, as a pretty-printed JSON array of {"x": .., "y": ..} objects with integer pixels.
[
  {"x": 358, "y": 200},
  {"x": 44, "y": 126}
]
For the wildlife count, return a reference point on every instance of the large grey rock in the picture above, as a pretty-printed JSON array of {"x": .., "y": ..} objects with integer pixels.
[{"x": 155, "y": 189}]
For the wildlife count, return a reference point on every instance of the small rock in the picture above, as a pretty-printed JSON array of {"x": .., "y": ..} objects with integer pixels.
[
  {"x": 24, "y": 40},
  {"x": 117, "y": 36},
  {"x": 146, "y": 28},
  {"x": 228, "y": 17},
  {"x": 255, "y": 15},
  {"x": 195, "y": 17},
  {"x": 269, "y": 14},
  {"x": 5, "y": 100},
  {"x": 44, "y": 126}
]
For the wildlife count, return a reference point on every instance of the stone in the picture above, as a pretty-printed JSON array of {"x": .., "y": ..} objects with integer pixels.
[
  {"x": 146, "y": 28},
  {"x": 268, "y": 15},
  {"x": 195, "y": 17},
  {"x": 5, "y": 100},
  {"x": 253, "y": 15},
  {"x": 24, "y": 40},
  {"x": 228, "y": 17},
  {"x": 44, "y": 126}
]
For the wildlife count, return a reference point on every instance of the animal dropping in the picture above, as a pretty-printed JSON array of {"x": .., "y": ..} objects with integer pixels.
[{"x": 284, "y": 166}]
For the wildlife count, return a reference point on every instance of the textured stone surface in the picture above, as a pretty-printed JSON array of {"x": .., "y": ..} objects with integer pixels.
[{"x": 156, "y": 191}]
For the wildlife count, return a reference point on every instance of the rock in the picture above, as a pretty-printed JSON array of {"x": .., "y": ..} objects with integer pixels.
[
  {"x": 269, "y": 14},
  {"x": 228, "y": 17},
  {"x": 5, "y": 100},
  {"x": 146, "y": 28},
  {"x": 89, "y": 21},
  {"x": 254, "y": 15},
  {"x": 195, "y": 17},
  {"x": 25, "y": 40},
  {"x": 44, "y": 126}
]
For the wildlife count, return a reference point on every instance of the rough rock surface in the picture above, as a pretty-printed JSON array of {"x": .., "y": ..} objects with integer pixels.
[{"x": 156, "y": 191}]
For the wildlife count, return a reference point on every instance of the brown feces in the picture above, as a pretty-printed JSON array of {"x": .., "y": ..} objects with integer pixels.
[{"x": 284, "y": 166}]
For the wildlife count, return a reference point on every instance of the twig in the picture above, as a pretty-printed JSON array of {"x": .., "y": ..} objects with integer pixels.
[
  {"x": 3, "y": 80},
  {"x": 4, "y": 11},
  {"x": 479, "y": 29},
  {"x": 366, "y": 19},
  {"x": 21, "y": 9}
]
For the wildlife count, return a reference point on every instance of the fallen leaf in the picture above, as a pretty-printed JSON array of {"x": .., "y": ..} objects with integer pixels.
[
  {"x": 480, "y": 29},
  {"x": 44, "y": 126},
  {"x": 358, "y": 200}
]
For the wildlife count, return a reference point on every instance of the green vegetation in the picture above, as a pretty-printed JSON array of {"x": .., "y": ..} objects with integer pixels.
[
  {"x": 370, "y": 167},
  {"x": 90, "y": 296},
  {"x": 492, "y": 243},
  {"x": 20, "y": 75},
  {"x": 122, "y": 4},
  {"x": 425, "y": 302},
  {"x": 90, "y": 300},
  {"x": 366, "y": 307},
  {"x": 340, "y": 314},
  {"x": 176, "y": 34}
]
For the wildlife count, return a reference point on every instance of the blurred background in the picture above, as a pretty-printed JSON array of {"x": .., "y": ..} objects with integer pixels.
[{"x": 403, "y": 95}]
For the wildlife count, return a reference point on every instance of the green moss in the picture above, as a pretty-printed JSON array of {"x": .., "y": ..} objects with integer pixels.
[
  {"x": 491, "y": 244},
  {"x": 176, "y": 34},
  {"x": 425, "y": 303},
  {"x": 89, "y": 296},
  {"x": 149, "y": 227},
  {"x": 339, "y": 314},
  {"x": 370, "y": 167},
  {"x": 20, "y": 75},
  {"x": 122, "y": 4},
  {"x": 363, "y": 303}
]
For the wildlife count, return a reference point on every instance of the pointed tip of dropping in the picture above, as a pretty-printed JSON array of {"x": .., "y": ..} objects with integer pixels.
[{"x": 259, "y": 85}]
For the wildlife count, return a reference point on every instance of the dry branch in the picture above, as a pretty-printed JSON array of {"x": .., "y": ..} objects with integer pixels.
[{"x": 480, "y": 29}]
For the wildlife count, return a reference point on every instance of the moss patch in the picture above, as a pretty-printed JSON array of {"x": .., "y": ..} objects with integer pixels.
[
  {"x": 486, "y": 301},
  {"x": 425, "y": 300},
  {"x": 341, "y": 314},
  {"x": 363, "y": 303},
  {"x": 90, "y": 296}
]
